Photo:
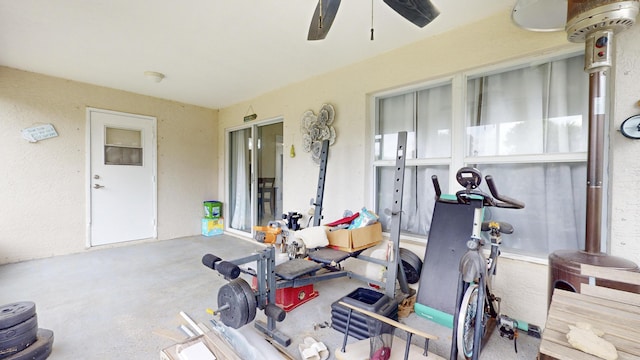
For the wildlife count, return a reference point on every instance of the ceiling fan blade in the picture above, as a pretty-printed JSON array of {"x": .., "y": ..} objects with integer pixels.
[
  {"x": 321, "y": 22},
  {"x": 419, "y": 12}
]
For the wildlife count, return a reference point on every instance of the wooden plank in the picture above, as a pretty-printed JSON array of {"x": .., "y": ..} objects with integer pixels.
[
  {"x": 598, "y": 306},
  {"x": 616, "y": 326},
  {"x": 608, "y": 273},
  {"x": 630, "y": 348},
  {"x": 569, "y": 353},
  {"x": 563, "y": 353},
  {"x": 575, "y": 312},
  {"x": 625, "y": 356},
  {"x": 618, "y": 315},
  {"x": 622, "y": 328},
  {"x": 554, "y": 343},
  {"x": 593, "y": 307},
  {"x": 390, "y": 321},
  {"x": 556, "y": 336},
  {"x": 622, "y": 340},
  {"x": 620, "y": 296}
]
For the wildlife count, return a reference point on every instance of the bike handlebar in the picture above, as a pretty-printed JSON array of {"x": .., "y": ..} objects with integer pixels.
[
  {"x": 464, "y": 196},
  {"x": 505, "y": 201},
  {"x": 436, "y": 186}
]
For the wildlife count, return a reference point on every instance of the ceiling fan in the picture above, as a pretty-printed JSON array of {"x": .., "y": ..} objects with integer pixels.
[{"x": 419, "y": 12}]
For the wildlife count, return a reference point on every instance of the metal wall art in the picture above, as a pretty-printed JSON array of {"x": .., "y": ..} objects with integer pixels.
[{"x": 317, "y": 128}]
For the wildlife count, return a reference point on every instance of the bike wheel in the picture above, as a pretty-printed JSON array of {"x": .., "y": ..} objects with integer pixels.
[{"x": 467, "y": 322}]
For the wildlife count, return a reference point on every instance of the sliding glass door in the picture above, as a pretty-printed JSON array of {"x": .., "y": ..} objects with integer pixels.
[
  {"x": 239, "y": 185},
  {"x": 254, "y": 184}
]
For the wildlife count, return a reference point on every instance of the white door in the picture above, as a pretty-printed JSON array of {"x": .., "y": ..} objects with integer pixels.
[{"x": 122, "y": 186}]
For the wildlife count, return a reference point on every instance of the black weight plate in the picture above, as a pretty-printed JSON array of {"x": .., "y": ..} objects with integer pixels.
[
  {"x": 16, "y": 313},
  {"x": 18, "y": 343},
  {"x": 6, "y": 335},
  {"x": 39, "y": 350},
  {"x": 252, "y": 303},
  {"x": 411, "y": 264},
  {"x": 237, "y": 314}
]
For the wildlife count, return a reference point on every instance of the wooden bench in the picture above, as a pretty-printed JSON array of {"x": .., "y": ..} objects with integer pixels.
[{"x": 615, "y": 312}]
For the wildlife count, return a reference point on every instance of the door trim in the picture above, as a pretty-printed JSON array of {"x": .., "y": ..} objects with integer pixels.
[{"x": 88, "y": 180}]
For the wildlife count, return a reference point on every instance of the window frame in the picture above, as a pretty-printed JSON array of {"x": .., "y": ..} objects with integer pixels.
[{"x": 458, "y": 157}]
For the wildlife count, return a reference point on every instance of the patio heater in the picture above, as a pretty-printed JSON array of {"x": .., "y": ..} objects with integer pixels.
[{"x": 594, "y": 22}]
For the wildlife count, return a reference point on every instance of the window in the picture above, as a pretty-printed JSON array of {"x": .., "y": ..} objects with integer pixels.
[
  {"x": 426, "y": 116},
  {"x": 122, "y": 147},
  {"x": 526, "y": 125}
]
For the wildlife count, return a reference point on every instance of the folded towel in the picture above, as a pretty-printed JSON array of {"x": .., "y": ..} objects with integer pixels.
[{"x": 313, "y": 237}]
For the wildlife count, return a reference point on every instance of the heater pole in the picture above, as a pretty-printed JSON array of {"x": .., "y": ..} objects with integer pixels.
[
  {"x": 598, "y": 63},
  {"x": 597, "y": 96}
]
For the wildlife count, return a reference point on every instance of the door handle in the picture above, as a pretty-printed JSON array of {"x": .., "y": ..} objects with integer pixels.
[{"x": 97, "y": 186}]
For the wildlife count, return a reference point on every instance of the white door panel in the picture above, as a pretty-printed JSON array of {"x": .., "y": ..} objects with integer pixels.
[{"x": 122, "y": 177}]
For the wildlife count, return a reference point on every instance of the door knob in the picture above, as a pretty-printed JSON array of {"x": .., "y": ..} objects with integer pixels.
[{"x": 97, "y": 186}]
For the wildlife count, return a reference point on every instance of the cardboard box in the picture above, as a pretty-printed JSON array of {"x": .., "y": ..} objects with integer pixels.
[
  {"x": 212, "y": 209},
  {"x": 212, "y": 227},
  {"x": 356, "y": 239}
]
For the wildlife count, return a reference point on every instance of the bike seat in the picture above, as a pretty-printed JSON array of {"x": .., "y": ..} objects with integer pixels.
[{"x": 503, "y": 227}]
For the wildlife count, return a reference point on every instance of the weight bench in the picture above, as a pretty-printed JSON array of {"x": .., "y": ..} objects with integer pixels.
[{"x": 301, "y": 272}]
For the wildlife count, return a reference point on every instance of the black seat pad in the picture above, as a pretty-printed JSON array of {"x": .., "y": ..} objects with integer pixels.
[
  {"x": 329, "y": 256},
  {"x": 295, "y": 268}
]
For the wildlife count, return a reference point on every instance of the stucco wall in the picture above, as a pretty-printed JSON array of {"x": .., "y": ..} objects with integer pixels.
[
  {"x": 42, "y": 187},
  {"x": 624, "y": 164},
  {"x": 521, "y": 282}
]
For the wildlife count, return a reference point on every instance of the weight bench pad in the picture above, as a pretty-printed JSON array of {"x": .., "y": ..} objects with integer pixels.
[
  {"x": 295, "y": 268},
  {"x": 329, "y": 255}
]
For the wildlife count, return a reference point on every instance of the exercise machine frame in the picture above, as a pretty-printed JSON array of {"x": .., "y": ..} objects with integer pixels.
[
  {"x": 267, "y": 281},
  {"x": 476, "y": 272}
]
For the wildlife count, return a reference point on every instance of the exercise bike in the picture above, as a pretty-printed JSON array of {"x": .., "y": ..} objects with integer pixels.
[{"x": 477, "y": 307}]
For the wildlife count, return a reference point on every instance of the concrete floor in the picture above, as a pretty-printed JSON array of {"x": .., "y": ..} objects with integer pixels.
[{"x": 124, "y": 302}]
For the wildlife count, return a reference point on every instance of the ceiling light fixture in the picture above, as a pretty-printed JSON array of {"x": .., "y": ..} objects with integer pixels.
[{"x": 154, "y": 76}]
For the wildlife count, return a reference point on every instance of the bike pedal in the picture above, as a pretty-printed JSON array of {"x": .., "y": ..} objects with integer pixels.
[
  {"x": 507, "y": 334},
  {"x": 534, "y": 331}
]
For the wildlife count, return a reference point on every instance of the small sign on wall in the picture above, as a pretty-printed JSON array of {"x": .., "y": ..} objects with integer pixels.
[{"x": 40, "y": 132}]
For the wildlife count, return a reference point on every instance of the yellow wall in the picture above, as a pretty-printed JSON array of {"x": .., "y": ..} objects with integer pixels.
[
  {"x": 521, "y": 282},
  {"x": 42, "y": 188}
]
